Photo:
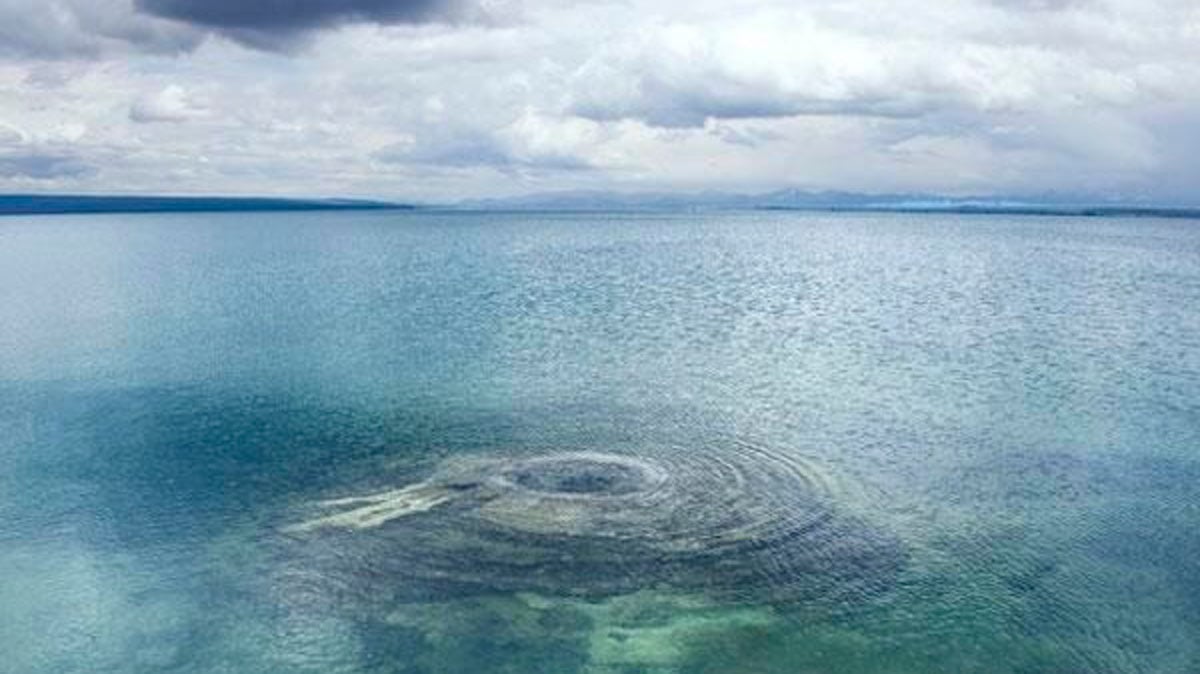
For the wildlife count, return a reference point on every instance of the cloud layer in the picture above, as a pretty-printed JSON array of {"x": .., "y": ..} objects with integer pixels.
[
  {"x": 436, "y": 100},
  {"x": 281, "y": 22},
  {"x": 86, "y": 29}
]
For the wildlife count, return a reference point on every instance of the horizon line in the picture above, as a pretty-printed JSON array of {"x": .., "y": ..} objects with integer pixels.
[{"x": 49, "y": 203}]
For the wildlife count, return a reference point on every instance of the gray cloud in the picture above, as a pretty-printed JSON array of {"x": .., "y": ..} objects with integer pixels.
[
  {"x": 92, "y": 29},
  {"x": 86, "y": 29},
  {"x": 1040, "y": 5},
  {"x": 462, "y": 150},
  {"x": 280, "y": 23},
  {"x": 35, "y": 166},
  {"x": 689, "y": 104},
  {"x": 468, "y": 148},
  {"x": 750, "y": 137},
  {"x": 9, "y": 135}
]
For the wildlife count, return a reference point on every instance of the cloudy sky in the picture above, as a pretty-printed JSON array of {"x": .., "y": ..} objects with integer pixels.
[{"x": 440, "y": 99}]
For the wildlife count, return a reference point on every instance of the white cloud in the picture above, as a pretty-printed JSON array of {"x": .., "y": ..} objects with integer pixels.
[
  {"x": 975, "y": 96},
  {"x": 777, "y": 62},
  {"x": 170, "y": 104}
]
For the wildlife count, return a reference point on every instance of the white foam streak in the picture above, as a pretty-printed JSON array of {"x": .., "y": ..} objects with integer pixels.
[{"x": 377, "y": 509}]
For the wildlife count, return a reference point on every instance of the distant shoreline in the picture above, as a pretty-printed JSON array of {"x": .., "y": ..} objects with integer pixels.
[
  {"x": 1031, "y": 211},
  {"x": 1064, "y": 211},
  {"x": 35, "y": 204},
  {"x": 828, "y": 201}
]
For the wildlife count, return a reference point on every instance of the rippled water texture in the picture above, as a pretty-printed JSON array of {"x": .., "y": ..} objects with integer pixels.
[
  {"x": 604, "y": 443},
  {"x": 730, "y": 521}
]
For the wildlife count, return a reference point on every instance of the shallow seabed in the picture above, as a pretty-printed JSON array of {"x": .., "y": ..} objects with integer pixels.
[{"x": 602, "y": 443}]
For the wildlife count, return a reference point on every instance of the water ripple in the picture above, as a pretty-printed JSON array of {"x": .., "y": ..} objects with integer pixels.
[{"x": 733, "y": 519}]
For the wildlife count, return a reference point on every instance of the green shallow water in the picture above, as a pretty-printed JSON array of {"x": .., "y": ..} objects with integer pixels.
[{"x": 671, "y": 443}]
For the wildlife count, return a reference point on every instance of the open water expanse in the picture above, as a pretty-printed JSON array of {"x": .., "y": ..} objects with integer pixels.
[{"x": 739, "y": 443}]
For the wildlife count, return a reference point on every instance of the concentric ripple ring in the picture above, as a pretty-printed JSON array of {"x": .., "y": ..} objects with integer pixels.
[{"x": 736, "y": 522}]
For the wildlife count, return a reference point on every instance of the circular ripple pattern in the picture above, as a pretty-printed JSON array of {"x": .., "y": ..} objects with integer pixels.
[
  {"x": 595, "y": 475},
  {"x": 741, "y": 523}
]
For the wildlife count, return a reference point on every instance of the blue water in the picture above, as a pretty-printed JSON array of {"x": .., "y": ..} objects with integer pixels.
[{"x": 1000, "y": 414}]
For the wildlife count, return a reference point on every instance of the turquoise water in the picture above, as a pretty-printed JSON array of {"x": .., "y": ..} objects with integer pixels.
[{"x": 606, "y": 443}]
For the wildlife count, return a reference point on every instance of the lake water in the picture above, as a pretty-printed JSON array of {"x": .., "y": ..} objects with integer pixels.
[{"x": 599, "y": 443}]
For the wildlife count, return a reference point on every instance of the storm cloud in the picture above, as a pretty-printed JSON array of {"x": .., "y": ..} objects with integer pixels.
[{"x": 279, "y": 23}]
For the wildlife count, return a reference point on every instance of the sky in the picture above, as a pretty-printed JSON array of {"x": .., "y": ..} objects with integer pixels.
[{"x": 439, "y": 100}]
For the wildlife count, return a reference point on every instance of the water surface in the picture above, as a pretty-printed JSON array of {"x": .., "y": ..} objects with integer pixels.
[{"x": 933, "y": 443}]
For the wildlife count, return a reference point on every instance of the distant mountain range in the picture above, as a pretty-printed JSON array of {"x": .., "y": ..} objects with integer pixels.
[
  {"x": 30, "y": 204},
  {"x": 793, "y": 199}
]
